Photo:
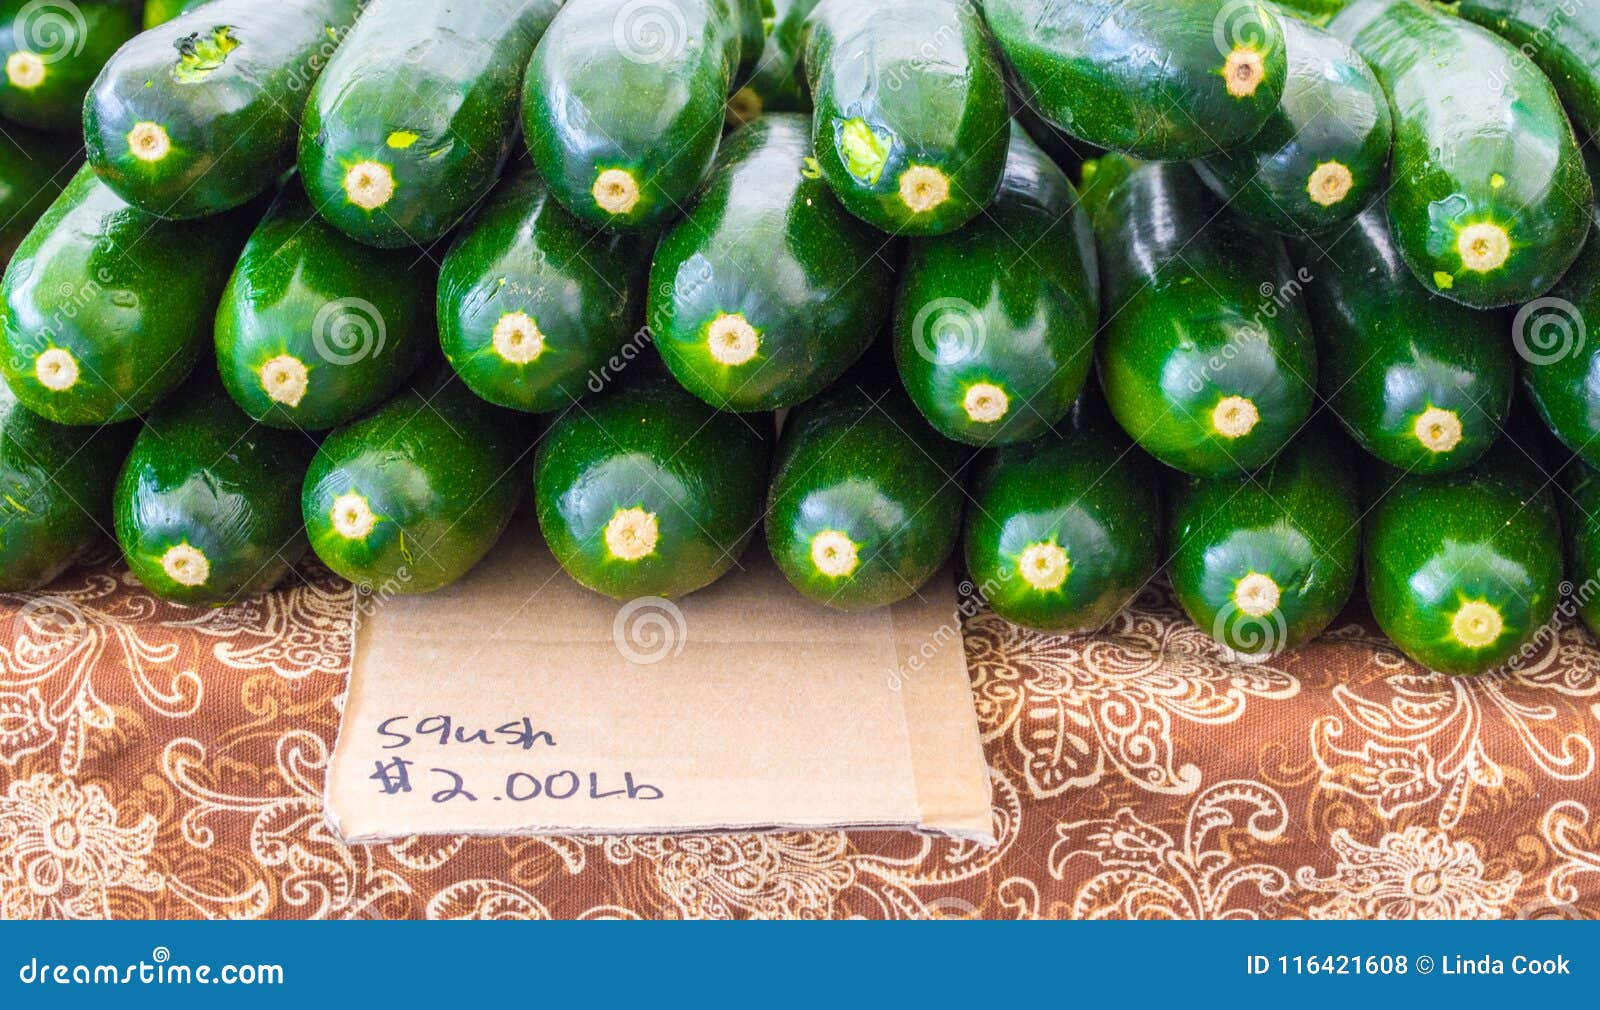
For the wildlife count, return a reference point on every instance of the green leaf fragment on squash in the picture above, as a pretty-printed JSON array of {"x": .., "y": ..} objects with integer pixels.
[
  {"x": 865, "y": 150},
  {"x": 200, "y": 55}
]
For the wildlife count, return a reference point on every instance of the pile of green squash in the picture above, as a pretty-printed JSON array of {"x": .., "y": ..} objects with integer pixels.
[{"x": 1269, "y": 299}]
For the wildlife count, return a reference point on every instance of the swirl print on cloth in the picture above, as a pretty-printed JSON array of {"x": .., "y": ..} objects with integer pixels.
[{"x": 162, "y": 762}]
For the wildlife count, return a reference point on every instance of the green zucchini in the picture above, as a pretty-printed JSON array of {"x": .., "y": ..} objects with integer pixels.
[
  {"x": 623, "y": 103},
  {"x": 532, "y": 302},
  {"x": 203, "y": 113},
  {"x": 910, "y": 118},
  {"x": 1463, "y": 568},
  {"x": 1323, "y": 154},
  {"x": 1206, "y": 355},
  {"x": 206, "y": 506},
  {"x": 159, "y": 12},
  {"x": 1059, "y": 537},
  {"x": 994, "y": 324},
  {"x": 52, "y": 51},
  {"x": 415, "y": 116},
  {"x": 1489, "y": 199},
  {"x": 408, "y": 498},
  {"x": 316, "y": 328},
  {"x": 768, "y": 290},
  {"x": 1149, "y": 78},
  {"x": 55, "y": 492},
  {"x": 34, "y": 167},
  {"x": 1417, "y": 380},
  {"x": 1580, "y": 518},
  {"x": 1068, "y": 152},
  {"x": 646, "y": 491},
  {"x": 864, "y": 506},
  {"x": 1560, "y": 355},
  {"x": 107, "y": 308},
  {"x": 777, "y": 82},
  {"x": 1562, "y": 37},
  {"x": 1265, "y": 562}
]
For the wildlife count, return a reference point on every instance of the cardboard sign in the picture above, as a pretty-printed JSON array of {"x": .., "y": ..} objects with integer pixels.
[{"x": 517, "y": 702}]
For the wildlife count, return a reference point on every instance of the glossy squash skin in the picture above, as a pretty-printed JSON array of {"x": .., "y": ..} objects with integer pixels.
[
  {"x": 768, "y": 290},
  {"x": 55, "y": 492},
  {"x": 1264, "y": 563},
  {"x": 1490, "y": 200},
  {"x": 415, "y": 116},
  {"x": 1059, "y": 533},
  {"x": 202, "y": 114},
  {"x": 865, "y": 503},
  {"x": 52, "y": 50},
  {"x": 533, "y": 303},
  {"x": 315, "y": 328},
  {"x": 1323, "y": 154},
  {"x": 1206, "y": 356},
  {"x": 107, "y": 308},
  {"x": 623, "y": 104},
  {"x": 1419, "y": 381},
  {"x": 994, "y": 324},
  {"x": 410, "y": 497},
  {"x": 1149, "y": 78},
  {"x": 207, "y": 505},
  {"x": 1463, "y": 568},
  {"x": 1558, "y": 351},
  {"x": 912, "y": 144},
  {"x": 646, "y": 491}
]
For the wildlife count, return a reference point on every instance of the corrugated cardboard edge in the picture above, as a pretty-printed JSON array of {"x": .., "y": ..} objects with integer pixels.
[
  {"x": 936, "y": 744},
  {"x": 942, "y": 724}
]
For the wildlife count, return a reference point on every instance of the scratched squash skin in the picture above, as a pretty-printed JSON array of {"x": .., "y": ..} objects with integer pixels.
[
  {"x": 203, "y": 113},
  {"x": 1149, "y": 78},
  {"x": 55, "y": 492},
  {"x": 415, "y": 116},
  {"x": 207, "y": 505},
  {"x": 1206, "y": 356},
  {"x": 912, "y": 144},
  {"x": 1489, "y": 199},
  {"x": 410, "y": 497},
  {"x": 647, "y": 491}
]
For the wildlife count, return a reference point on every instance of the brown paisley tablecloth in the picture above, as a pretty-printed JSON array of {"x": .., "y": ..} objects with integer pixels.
[{"x": 158, "y": 762}]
